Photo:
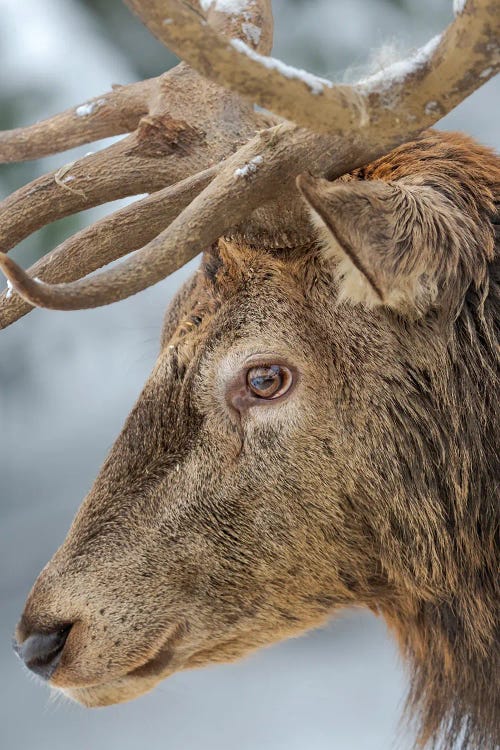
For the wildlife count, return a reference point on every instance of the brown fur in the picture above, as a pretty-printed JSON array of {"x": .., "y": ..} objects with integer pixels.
[{"x": 211, "y": 532}]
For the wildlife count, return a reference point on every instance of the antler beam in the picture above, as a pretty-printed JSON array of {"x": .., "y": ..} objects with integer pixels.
[{"x": 465, "y": 56}]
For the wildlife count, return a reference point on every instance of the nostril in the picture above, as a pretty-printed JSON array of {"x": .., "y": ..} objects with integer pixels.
[{"x": 41, "y": 652}]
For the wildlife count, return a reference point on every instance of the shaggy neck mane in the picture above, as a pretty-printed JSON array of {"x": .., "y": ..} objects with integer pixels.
[{"x": 452, "y": 640}]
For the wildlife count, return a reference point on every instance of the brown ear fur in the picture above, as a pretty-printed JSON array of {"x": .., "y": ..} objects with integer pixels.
[{"x": 412, "y": 231}]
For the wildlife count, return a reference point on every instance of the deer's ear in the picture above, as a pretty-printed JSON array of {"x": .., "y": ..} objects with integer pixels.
[{"x": 394, "y": 245}]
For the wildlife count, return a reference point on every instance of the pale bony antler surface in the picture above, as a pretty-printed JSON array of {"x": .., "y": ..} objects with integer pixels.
[
  {"x": 420, "y": 89},
  {"x": 187, "y": 124},
  {"x": 113, "y": 113},
  {"x": 164, "y": 149},
  {"x": 110, "y": 238},
  {"x": 362, "y": 121}
]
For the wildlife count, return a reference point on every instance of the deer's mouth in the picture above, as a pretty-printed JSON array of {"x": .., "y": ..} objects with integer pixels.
[
  {"x": 156, "y": 665},
  {"x": 165, "y": 660}
]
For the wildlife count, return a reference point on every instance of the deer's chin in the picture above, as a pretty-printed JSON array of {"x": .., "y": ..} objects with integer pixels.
[
  {"x": 120, "y": 690},
  {"x": 125, "y": 687}
]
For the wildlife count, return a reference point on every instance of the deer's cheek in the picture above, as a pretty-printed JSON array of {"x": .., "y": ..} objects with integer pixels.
[{"x": 242, "y": 403}]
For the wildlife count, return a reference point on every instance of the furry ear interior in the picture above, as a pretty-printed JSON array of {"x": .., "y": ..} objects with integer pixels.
[{"x": 394, "y": 244}]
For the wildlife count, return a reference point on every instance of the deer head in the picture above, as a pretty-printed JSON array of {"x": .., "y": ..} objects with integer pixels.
[{"x": 318, "y": 430}]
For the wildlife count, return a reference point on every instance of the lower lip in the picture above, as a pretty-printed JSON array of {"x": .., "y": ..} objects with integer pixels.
[{"x": 163, "y": 658}]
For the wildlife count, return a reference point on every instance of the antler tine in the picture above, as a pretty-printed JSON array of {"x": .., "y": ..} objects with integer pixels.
[
  {"x": 120, "y": 110},
  {"x": 108, "y": 239},
  {"x": 185, "y": 230},
  {"x": 113, "y": 113},
  {"x": 464, "y": 57},
  {"x": 115, "y": 172},
  {"x": 163, "y": 150}
]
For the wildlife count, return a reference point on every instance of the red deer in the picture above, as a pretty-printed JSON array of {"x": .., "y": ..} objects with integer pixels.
[{"x": 320, "y": 427}]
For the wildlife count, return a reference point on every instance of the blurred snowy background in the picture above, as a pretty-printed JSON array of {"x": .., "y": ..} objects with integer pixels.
[{"x": 67, "y": 381}]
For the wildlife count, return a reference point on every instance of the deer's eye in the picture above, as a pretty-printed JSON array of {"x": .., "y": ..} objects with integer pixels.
[{"x": 269, "y": 382}]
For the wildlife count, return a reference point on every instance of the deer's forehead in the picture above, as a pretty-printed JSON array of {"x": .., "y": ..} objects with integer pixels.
[{"x": 236, "y": 289}]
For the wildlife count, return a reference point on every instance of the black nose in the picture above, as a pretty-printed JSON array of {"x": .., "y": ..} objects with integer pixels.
[{"x": 41, "y": 652}]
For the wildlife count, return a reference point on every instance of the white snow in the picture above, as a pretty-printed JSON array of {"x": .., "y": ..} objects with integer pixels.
[
  {"x": 486, "y": 73},
  {"x": 399, "y": 71},
  {"x": 85, "y": 109},
  {"x": 89, "y": 108},
  {"x": 459, "y": 6},
  {"x": 234, "y": 7},
  {"x": 431, "y": 107},
  {"x": 315, "y": 84},
  {"x": 252, "y": 32},
  {"x": 167, "y": 21},
  {"x": 249, "y": 168}
]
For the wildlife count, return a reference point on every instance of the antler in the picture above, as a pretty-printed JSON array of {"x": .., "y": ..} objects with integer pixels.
[
  {"x": 361, "y": 122},
  {"x": 118, "y": 111},
  {"x": 109, "y": 239},
  {"x": 183, "y": 123},
  {"x": 464, "y": 57}
]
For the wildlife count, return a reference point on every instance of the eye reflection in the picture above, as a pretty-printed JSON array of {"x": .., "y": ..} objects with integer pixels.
[{"x": 269, "y": 382}]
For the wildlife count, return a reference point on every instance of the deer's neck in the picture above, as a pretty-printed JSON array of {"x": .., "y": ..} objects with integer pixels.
[{"x": 453, "y": 647}]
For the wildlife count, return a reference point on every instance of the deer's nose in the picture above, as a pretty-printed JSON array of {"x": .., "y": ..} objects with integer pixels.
[{"x": 41, "y": 652}]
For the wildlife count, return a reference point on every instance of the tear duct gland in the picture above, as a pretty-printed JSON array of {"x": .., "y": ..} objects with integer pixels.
[{"x": 224, "y": 520}]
